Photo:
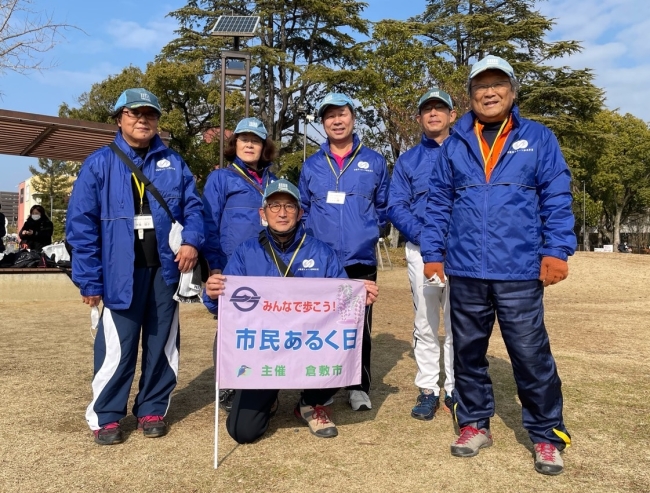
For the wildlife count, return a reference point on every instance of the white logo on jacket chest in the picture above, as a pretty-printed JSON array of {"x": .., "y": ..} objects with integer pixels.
[
  {"x": 163, "y": 163},
  {"x": 308, "y": 263},
  {"x": 520, "y": 146}
]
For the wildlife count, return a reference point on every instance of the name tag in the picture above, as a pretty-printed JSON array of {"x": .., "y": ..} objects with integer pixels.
[
  {"x": 143, "y": 221},
  {"x": 335, "y": 197}
]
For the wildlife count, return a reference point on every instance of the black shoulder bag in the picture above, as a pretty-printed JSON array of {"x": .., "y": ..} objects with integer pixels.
[{"x": 205, "y": 269}]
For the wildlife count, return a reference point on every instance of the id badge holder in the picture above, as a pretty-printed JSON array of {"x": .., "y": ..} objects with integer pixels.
[
  {"x": 335, "y": 197},
  {"x": 142, "y": 222}
]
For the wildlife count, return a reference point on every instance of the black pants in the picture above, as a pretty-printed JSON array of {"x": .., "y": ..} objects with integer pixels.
[
  {"x": 251, "y": 411},
  {"x": 365, "y": 272}
]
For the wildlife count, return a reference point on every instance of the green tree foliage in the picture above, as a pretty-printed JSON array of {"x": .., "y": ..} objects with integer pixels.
[
  {"x": 304, "y": 49},
  {"x": 53, "y": 182},
  {"x": 618, "y": 168}
]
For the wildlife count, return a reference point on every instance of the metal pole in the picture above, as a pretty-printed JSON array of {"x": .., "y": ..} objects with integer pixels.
[
  {"x": 304, "y": 139},
  {"x": 222, "y": 130},
  {"x": 248, "y": 83},
  {"x": 584, "y": 216}
]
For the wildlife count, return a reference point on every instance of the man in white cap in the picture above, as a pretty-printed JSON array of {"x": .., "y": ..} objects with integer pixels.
[
  {"x": 344, "y": 191},
  {"x": 500, "y": 226},
  {"x": 121, "y": 255},
  {"x": 406, "y": 206}
]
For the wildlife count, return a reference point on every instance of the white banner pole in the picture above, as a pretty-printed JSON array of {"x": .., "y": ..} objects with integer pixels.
[{"x": 216, "y": 400}]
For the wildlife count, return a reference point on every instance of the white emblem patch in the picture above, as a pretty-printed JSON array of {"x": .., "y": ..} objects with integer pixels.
[
  {"x": 520, "y": 144},
  {"x": 163, "y": 163},
  {"x": 308, "y": 263},
  {"x": 363, "y": 165}
]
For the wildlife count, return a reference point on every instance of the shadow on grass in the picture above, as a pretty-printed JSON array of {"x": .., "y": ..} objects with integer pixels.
[
  {"x": 198, "y": 394},
  {"x": 507, "y": 405}
]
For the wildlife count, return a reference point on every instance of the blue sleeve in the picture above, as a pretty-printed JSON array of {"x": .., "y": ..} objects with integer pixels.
[
  {"x": 214, "y": 197},
  {"x": 554, "y": 191},
  {"x": 192, "y": 211},
  {"x": 400, "y": 200},
  {"x": 83, "y": 233},
  {"x": 236, "y": 266},
  {"x": 335, "y": 268},
  {"x": 381, "y": 194},
  {"x": 438, "y": 211},
  {"x": 303, "y": 188}
]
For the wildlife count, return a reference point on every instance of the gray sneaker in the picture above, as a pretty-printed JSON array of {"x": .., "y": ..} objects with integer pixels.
[
  {"x": 470, "y": 441},
  {"x": 548, "y": 459},
  {"x": 359, "y": 400},
  {"x": 317, "y": 419}
]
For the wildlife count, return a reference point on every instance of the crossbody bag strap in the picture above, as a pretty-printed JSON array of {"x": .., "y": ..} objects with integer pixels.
[
  {"x": 141, "y": 176},
  {"x": 264, "y": 241}
]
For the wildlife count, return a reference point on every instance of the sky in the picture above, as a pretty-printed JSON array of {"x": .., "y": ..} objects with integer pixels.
[{"x": 112, "y": 35}]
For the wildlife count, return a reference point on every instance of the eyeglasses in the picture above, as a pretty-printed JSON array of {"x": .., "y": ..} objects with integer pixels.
[
  {"x": 289, "y": 207},
  {"x": 497, "y": 86},
  {"x": 250, "y": 140},
  {"x": 135, "y": 114},
  {"x": 439, "y": 106}
]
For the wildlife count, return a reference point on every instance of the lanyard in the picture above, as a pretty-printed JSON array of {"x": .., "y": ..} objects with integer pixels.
[
  {"x": 248, "y": 178},
  {"x": 275, "y": 259},
  {"x": 337, "y": 176},
  {"x": 140, "y": 186},
  {"x": 486, "y": 160}
]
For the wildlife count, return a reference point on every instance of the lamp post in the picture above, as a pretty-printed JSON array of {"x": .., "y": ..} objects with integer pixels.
[{"x": 584, "y": 216}]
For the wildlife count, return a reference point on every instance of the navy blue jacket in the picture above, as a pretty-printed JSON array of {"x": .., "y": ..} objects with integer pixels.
[
  {"x": 99, "y": 224},
  {"x": 231, "y": 211},
  {"x": 351, "y": 229},
  {"x": 409, "y": 188},
  {"x": 499, "y": 229},
  {"x": 314, "y": 259}
]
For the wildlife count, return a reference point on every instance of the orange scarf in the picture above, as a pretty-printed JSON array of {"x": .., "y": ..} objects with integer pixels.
[{"x": 491, "y": 155}]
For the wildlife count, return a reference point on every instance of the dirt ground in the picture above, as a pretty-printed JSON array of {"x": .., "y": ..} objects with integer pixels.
[{"x": 598, "y": 321}]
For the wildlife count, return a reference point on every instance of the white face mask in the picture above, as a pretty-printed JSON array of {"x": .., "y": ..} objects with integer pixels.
[{"x": 36, "y": 217}]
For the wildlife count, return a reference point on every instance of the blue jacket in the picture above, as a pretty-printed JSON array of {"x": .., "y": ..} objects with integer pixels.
[
  {"x": 99, "y": 224},
  {"x": 314, "y": 259},
  {"x": 231, "y": 211},
  {"x": 409, "y": 187},
  {"x": 351, "y": 228},
  {"x": 501, "y": 229}
]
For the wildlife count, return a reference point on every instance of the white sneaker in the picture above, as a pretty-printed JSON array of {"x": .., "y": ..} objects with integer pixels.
[{"x": 359, "y": 400}]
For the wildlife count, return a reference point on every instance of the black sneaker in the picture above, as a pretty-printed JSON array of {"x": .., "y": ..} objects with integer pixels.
[
  {"x": 152, "y": 426},
  {"x": 448, "y": 404},
  {"x": 225, "y": 399},
  {"x": 425, "y": 406},
  {"x": 109, "y": 434}
]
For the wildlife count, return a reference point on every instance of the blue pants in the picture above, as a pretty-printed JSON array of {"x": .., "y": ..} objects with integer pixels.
[
  {"x": 154, "y": 312},
  {"x": 518, "y": 305}
]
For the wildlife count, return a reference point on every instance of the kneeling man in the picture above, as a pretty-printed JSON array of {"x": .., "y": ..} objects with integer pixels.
[{"x": 281, "y": 245}]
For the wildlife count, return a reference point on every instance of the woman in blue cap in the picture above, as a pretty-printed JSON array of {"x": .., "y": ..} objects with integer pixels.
[{"x": 232, "y": 197}]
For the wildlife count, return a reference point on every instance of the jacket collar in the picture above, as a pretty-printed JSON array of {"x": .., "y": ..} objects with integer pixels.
[
  {"x": 264, "y": 168},
  {"x": 427, "y": 142},
  {"x": 465, "y": 126},
  {"x": 155, "y": 145},
  {"x": 300, "y": 232},
  {"x": 325, "y": 146}
]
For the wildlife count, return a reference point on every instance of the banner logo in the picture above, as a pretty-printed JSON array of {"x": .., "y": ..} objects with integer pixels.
[{"x": 245, "y": 299}]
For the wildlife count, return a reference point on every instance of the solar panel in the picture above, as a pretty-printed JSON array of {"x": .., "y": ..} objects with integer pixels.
[{"x": 235, "y": 25}]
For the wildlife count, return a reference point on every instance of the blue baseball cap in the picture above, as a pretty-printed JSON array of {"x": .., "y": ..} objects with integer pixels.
[
  {"x": 491, "y": 62},
  {"x": 334, "y": 99},
  {"x": 137, "y": 98},
  {"x": 252, "y": 125},
  {"x": 439, "y": 94},
  {"x": 281, "y": 186}
]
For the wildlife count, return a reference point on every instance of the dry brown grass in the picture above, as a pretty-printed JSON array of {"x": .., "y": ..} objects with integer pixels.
[{"x": 597, "y": 320}]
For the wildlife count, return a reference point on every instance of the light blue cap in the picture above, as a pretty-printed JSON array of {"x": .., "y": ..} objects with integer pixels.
[
  {"x": 281, "y": 186},
  {"x": 252, "y": 125},
  {"x": 491, "y": 62},
  {"x": 438, "y": 94},
  {"x": 137, "y": 98},
  {"x": 334, "y": 99}
]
